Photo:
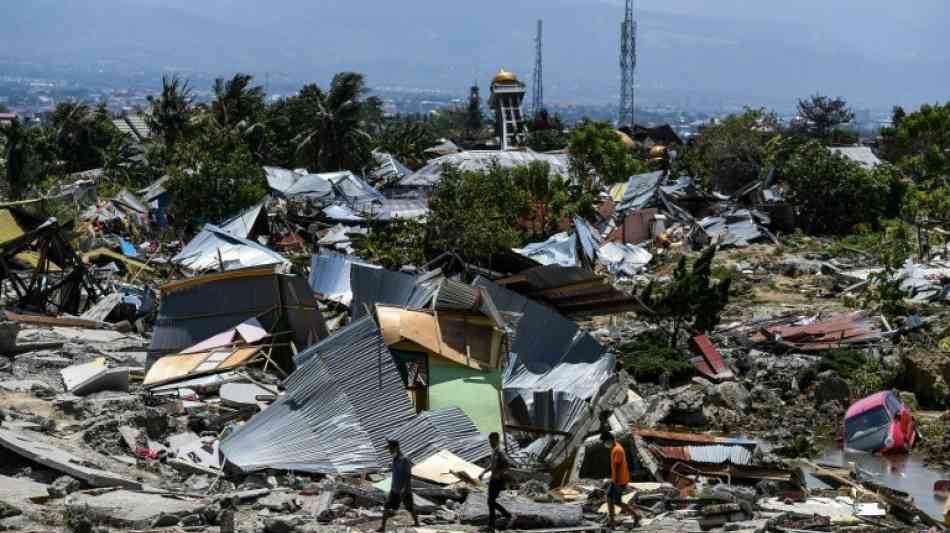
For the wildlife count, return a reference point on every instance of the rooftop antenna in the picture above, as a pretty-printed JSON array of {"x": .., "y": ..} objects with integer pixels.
[
  {"x": 537, "y": 99},
  {"x": 628, "y": 65}
]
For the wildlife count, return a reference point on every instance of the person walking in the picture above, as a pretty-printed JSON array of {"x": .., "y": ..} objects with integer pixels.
[
  {"x": 619, "y": 479},
  {"x": 498, "y": 468},
  {"x": 401, "y": 489}
]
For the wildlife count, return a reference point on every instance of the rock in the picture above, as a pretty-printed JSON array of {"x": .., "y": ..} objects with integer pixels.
[
  {"x": 62, "y": 486},
  {"x": 7, "y": 510},
  {"x": 278, "y": 502},
  {"x": 528, "y": 515},
  {"x": 192, "y": 520},
  {"x": 165, "y": 520},
  {"x": 732, "y": 395},
  {"x": 533, "y": 489},
  {"x": 281, "y": 525},
  {"x": 830, "y": 387}
]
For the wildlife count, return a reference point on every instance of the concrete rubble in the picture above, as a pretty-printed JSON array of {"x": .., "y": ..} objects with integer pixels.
[{"x": 249, "y": 378}]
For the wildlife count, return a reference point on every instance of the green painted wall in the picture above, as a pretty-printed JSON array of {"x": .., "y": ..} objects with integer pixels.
[{"x": 473, "y": 391}]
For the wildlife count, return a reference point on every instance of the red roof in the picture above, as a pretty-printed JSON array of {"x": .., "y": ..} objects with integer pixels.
[{"x": 871, "y": 402}]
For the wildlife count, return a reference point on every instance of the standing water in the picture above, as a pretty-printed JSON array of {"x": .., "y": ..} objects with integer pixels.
[{"x": 904, "y": 472}]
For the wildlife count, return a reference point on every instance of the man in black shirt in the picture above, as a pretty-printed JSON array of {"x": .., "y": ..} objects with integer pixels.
[
  {"x": 401, "y": 489},
  {"x": 500, "y": 464}
]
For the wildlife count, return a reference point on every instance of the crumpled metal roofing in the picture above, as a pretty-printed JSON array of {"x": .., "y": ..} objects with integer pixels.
[
  {"x": 378, "y": 286},
  {"x": 197, "y": 309},
  {"x": 389, "y": 167},
  {"x": 739, "y": 227},
  {"x": 330, "y": 276},
  {"x": 713, "y": 454},
  {"x": 480, "y": 160},
  {"x": 641, "y": 190},
  {"x": 202, "y": 253},
  {"x": 816, "y": 335},
  {"x": 243, "y": 224},
  {"x": 446, "y": 429},
  {"x": 558, "y": 249},
  {"x": 342, "y": 403},
  {"x": 861, "y": 155},
  {"x": 280, "y": 179},
  {"x": 393, "y": 208},
  {"x": 926, "y": 283}
]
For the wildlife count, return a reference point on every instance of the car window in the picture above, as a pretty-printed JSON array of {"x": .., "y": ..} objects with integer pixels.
[
  {"x": 893, "y": 404},
  {"x": 872, "y": 419}
]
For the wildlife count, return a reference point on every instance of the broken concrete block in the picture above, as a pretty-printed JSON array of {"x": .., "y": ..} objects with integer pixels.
[
  {"x": 240, "y": 395},
  {"x": 63, "y": 486},
  {"x": 35, "y": 449},
  {"x": 128, "y": 509},
  {"x": 529, "y": 515},
  {"x": 7, "y": 510}
]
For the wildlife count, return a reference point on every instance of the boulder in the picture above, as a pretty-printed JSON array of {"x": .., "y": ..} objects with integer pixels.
[
  {"x": 830, "y": 387},
  {"x": 63, "y": 486}
]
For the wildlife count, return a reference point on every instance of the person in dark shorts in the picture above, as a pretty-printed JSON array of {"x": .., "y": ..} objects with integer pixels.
[
  {"x": 619, "y": 479},
  {"x": 400, "y": 492},
  {"x": 500, "y": 464}
]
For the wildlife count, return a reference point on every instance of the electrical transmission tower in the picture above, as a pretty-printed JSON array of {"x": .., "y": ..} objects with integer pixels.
[
  {"x": 537, "y": 99},
  {"x": 628, "y": 65}
]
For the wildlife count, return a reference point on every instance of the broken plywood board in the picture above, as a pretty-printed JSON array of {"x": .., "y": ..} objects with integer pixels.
[
  {"x": 240, "y": 395},
  {"x": 127, "y": 509},
  {"x": 172, "y": 368},
  {"x": 440, "y": 468},
  {"x": 74, "y": 375},
  {"x": 34, "y": 449},
  {"x": 103, "y": 307},
  {"x": 94, "y": 376}
]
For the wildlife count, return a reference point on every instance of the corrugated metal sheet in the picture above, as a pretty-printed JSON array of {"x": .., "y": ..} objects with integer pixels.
[
  {"x": 573, "y": 291},
  {"x": 330, "y": 276},
  {"x": 445, "y": 429},
  {"x": 342, "y": 402},
  {"x": 214, "y": 245},
  {"x": 378, "y": 286},
  {"x": 714, "y": 454},
  {"x": 243, "y": 225},
  {"x": 641, "y": 190},
  {"x": 196, "y": 309},
  {"x": 861, "y": 155},
  {"x": 692, "y": 438},
  {"x": 838, "y": 331},
  {"x": 481, "y": 160}
]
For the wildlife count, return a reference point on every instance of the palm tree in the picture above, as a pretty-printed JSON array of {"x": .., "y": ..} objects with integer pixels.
[
  {"x": 335, "y": 137},
  {"x": 236, "y": 102},
  {"x": 170, "y": 116},
  {"x": 16, "y": 144}
]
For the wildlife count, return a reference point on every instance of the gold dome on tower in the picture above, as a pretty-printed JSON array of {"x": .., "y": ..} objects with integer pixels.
[{"x": 504, "y": 76}]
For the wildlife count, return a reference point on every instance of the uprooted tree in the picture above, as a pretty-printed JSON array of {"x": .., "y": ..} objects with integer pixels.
[{"x": 693, "y": 301}]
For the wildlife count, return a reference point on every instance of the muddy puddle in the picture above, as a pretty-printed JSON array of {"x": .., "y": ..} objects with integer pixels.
[{"x": 901, "y": 472}]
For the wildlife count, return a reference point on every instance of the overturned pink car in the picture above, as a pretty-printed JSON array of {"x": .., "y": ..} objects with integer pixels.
[{"x": 880, "y": 423}]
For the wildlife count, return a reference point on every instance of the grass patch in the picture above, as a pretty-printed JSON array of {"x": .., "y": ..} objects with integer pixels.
[{"x": 648, "y": 356}]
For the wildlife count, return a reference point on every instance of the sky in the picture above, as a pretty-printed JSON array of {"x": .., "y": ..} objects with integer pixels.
[{"x": 761, "y": 52}]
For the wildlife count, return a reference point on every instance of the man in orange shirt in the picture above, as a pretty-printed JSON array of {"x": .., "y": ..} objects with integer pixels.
[{"x": 619, "y": 478}]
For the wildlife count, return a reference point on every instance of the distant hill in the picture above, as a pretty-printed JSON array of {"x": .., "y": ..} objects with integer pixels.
[{"x": 448, "y": 44}]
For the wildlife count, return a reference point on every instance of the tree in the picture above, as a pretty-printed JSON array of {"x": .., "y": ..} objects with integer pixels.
[
  {"x": 834, "y": 194},
  {"x": 215, "y": 178},
  {"x": 80, "y": 134},
  {"x": 394, "y": 244},
  {"x": 551, "y": 199},
  {"x": 693, "y": 301},
  {"x": 335, "y": 137},
  {"x": 599, "y": 156},
  {"x": 16, "y": 151},
  {"x": 546, "y": 132},
  {"x": 171, "y": 111},
  {"x": 476, "y": 214},
  {"x": 822, "y": 116},
  {"x": 919, "y": 142},
  {"x": 407, "y": 141},
  {"x": 730, "y": 154},
  {"x": 236, "y": 103},
  {"x": 122, "y": 164}
]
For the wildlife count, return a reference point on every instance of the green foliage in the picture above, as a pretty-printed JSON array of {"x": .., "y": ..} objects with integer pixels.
[
  {"x": 394, "y": 244},
  {"x": 216, "y": 178},
  {"x": 821, "y": 118},
  {"x": 731, "y": 154},
  {"x": 692, "y": 301},
  {"x": 863, "y": 373},
  {"x": 121, "y": 165},
  {"x": 236, "y": 102},
  {"x": 547, "y": 140},
  {"x": 79, "y": 132},
  {"x": 834, "y": 194},
  {"x": 598, "y": 156},
  {"x": 919, "y": 143},
  {"x": 171, "y": 112},
  {"x": 476, "y": 214},
  {"x": 16, "y": 146},
  {"x": 894, "y": 250},
  {"x": 649, "y": 356},
  {"x": 407, "y": 141},
  {"x": 551, "y": 199},
  {"x": 335, "y": 135},
  {"x": 474, "y": 119}
]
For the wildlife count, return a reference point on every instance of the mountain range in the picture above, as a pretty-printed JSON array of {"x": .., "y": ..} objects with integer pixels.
[{"x": 688, "y": 47}]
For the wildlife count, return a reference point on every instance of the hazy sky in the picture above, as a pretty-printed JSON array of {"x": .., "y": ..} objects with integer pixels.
[{"x": 875, "y": 53}]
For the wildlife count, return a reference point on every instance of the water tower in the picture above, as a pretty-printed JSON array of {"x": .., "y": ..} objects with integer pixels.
[{"x": 507, "y": 94}]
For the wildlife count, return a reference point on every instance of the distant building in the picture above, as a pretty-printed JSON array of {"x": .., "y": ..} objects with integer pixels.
[{"x": 507, "y": 94}]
